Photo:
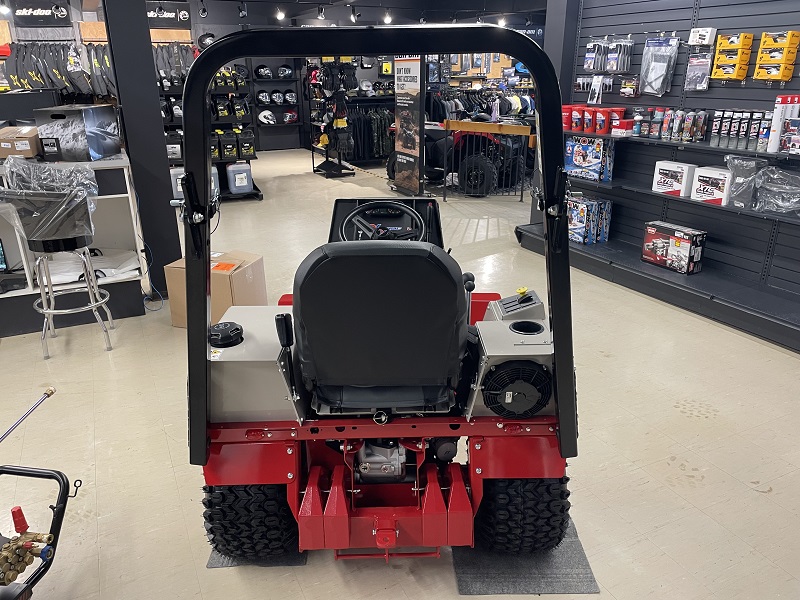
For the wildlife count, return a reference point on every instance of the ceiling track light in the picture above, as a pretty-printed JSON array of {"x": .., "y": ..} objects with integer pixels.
[
  {"x": 528, "y": 22},
  {"x": 422, "y": 19},
  {"x": 203, "y": 11},
  {"x": 160, "y": 10},
  {"x": 320, "y": 12},
  {"x": 454, "y": 20},
  {"x": 354, "y": 14},
  {"x": 279, "y": 14},
  {"x": 479, "y": 19},
  {"x": 242, "y": 10},
  {"x": 501, "y": 21},
  {"x": 4, "y": 9},
  {"x": 387, "y": 18}
]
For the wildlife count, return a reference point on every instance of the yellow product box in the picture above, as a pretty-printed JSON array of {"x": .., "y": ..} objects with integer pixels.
[
  {"x": 774, "y": 72},
  {"x": 780, "y": 39},
  {"x": 776, "y": 56},
  {"x": 737, "y": 72},
  {"x": 734, "y": 41},
  {"x": 732, "y": 57}
]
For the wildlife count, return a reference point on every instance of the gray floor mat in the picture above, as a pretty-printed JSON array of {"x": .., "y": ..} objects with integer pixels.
[
  {"x": 220, "y": 561},
  {"x": 565, "y": 570}
]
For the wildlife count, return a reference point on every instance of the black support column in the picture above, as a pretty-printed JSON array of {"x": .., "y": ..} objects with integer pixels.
[
  {"x": 560, "y": 39},
  {"x": 131, "y": 53}
]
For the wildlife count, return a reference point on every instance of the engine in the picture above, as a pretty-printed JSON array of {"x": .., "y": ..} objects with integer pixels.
[
  {"x": 380, "y": 461},
  {"x": 517, "y": 389}
]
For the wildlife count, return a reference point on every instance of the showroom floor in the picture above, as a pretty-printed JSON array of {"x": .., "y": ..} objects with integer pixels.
[{"x": 687, "y": 485}]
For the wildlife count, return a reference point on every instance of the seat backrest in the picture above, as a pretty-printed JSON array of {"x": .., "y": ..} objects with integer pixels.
[{"x": 380, "y": 313}]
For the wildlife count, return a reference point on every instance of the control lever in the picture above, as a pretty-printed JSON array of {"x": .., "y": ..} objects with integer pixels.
[
  {"x": 469, "y": 286},
  {"x": 283, "y": 325}
]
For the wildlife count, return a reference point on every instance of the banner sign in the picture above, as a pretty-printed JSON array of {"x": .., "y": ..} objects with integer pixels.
[
  {"x": 169, "y": 15},
  {"x": 41, "y": 13},
  {"x": 409, "y": 99}
]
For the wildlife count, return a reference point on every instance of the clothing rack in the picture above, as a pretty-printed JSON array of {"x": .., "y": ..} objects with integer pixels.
[{"x": 370, "y": 123}]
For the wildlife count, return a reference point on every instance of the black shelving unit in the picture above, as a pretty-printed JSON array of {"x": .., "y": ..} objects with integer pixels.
[
  {"x": 282, "y": 136},
  {"x": 754, "y": 307},
  {"x": 751, "y": 264}
]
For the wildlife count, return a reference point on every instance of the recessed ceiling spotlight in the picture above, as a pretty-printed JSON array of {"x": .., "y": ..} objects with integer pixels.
[{"x": 387, "y": 17}]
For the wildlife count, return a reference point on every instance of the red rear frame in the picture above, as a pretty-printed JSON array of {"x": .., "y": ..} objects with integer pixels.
[{"x": 336, "y": 512}]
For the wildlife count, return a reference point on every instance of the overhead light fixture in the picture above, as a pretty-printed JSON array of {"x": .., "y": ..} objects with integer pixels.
[
  {"x": 4, "y": 8},
  {"x": 279, "y": 14},
  {"x": 387, "y": 18},
  {"x": 242, "y": 10},
  {"x": 501, "y": 21},
  {"x": 203, "y": 12},
  {"x": 479, "y": 19},
  {"x": 455, "y": 20},
  {"x": 320, "y": 12},
  {"x": 59, "y": 11},
  {"x": 528, "y": 22},
  {"x": 422, "y": 19},
  {"x": 354, "y": 15},
  {"x": 160, "y": 10}
]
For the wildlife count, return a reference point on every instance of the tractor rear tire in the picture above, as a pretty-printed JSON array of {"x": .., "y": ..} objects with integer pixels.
[
  {"x": 521, "y": 516},
  {"x": 249, "y": 521},
  {"x": 391, "y": 166},
  {"x": 477, "y": 175}
]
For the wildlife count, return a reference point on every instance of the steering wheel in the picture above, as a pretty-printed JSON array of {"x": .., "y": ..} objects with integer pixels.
[{"x": 367, "y": 232}]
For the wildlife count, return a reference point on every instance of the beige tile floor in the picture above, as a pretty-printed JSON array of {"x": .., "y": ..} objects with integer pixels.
[{"x": 687, "y": 485}]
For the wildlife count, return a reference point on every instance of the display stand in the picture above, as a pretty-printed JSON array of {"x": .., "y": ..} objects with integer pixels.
[{"x": 332, "y": 167}]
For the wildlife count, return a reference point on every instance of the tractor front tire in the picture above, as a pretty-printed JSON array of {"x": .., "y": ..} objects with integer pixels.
[
  {"x": 477, "y": 175},
  {"x": 249, "y": 521},
  {"x": 521, "y": 516}
]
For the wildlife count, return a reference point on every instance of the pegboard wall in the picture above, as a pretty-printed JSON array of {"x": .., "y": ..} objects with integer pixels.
[
  {"x": 759, "y": 248},
  {"x": 646, "y": 18}
]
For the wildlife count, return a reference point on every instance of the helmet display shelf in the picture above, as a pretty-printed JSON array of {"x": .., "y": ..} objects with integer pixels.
[{"x": 276, "y": 108}]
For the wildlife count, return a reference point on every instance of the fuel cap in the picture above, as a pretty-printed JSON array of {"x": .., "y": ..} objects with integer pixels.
[{"x": 225, "y": 334}]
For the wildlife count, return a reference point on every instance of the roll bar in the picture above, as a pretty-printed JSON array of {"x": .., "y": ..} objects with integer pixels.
[{"x": 356, "y": 41}]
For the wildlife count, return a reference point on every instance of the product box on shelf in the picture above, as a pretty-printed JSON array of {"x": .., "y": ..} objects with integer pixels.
[
  {"x": 603, "y": 220},
  {"x": 673, "y": 246},
  {"x": 589, "y": 158},
  {"x": 721, "y": 71},
  {"x": 776, "y": 56},
  {"x": 673, "y": 178},
  {"x": 237, "y": 279},
  {"x": 702, "y": 36},
  {"x": 780, "y": 39},
  {"x": 711, "y": 185},
  {"x": 20, "y": 141},
  {"x": 78, "y": 132},
  {"x": 733, "y": 41},
  {"x": 576, "y": 117},
  {"x": 582, "y": 220},
  {"x": 740, "y": 56},
  {"x": 773, "y": 72}
]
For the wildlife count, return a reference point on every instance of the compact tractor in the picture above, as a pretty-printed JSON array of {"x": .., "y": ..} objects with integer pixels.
[{"x": 383, "y": 408}]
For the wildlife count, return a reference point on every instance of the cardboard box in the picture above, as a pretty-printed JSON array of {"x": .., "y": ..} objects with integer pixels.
[
  {"x": 582, "y": 220},
  {"x": 589, "y": 158},
  {"x": 776, "y": 56},
  {"x": 20, "y": 141},
  {"x": 673, "y": 247},
  {"x": 237, "y": 279},
  {"x": 780, "y": 39},
  {"x": 711, "y": 185},
  {"x": 733, "y": 57},
  {"x": 673, "y": 178},
  {"x": 78, "y": 132}
]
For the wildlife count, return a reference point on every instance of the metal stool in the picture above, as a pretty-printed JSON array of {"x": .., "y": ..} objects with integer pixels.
[{"x": 79, "y": 246}]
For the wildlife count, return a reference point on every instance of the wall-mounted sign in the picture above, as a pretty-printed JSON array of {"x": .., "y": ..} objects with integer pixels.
[
  {"x": 169, "y": 15},
  {"x": 41, "y": 13}
]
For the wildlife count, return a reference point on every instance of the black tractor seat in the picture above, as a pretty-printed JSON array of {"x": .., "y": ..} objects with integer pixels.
[{"x": 380, "y": 325}]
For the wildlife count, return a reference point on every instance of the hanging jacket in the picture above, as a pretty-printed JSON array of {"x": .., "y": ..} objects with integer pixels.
[
  {"x": 78, "y": 76},
  {"x": 11, "y": 67},
  {"x": 108, "y": 70}
]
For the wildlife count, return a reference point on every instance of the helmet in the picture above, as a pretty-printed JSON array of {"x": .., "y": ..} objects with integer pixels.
[
  {"x": 390, "y": 87},
  {"x": 263, "y": 97},
  {"x": 313, "y": 75},
  {"x": 366, "y": 87},
  {"x": 263, "y": 72},
  {"x": 205, "y": 40},
  {"x": 277, "y": 97},
  {"x": 290, "y": 97},
  {"x": 377, "y": 87},
  {"x": 290, "y": 116},
  {"x": 267, "y": 117},
  {"x": 285, "y": 72}
]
